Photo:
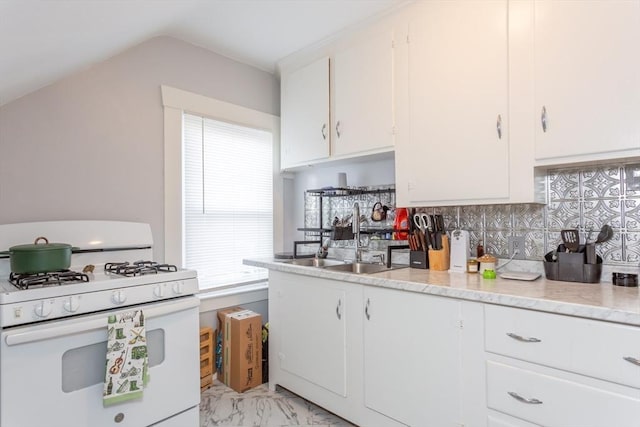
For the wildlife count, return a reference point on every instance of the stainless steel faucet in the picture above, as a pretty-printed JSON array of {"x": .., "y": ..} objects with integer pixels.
[{"x": 355, "y": 226}]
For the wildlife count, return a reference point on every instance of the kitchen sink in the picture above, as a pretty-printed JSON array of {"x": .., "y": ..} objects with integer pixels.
[
  {"x": 317, "y": 262},
  {"x": 362, "y": 268}
]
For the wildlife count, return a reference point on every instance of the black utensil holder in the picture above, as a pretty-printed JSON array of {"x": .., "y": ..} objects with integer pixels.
[{"x": 572, "y": 267}]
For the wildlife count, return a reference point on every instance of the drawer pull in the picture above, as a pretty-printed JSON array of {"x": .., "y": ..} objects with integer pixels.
[
  {"x": 632, "y": 360},
  {"x": 519, "y": 398},
  {"x": 523, "y": 339}
]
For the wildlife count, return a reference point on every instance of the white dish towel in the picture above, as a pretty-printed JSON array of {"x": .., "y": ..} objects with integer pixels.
[{"x": 127, "y": 359}]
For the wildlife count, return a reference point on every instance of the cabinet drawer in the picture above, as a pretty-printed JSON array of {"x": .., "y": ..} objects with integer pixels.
[
  {"x": 588, "y": 347},
  {"x": 498, "y": 419},
  {"x": 560, "y": 402}
]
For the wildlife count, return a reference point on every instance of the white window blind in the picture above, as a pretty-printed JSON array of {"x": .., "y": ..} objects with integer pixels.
[{"x": 228, "y": 200}]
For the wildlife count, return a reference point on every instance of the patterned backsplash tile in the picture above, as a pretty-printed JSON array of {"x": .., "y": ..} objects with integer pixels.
[{"x": 584, "y": 198}]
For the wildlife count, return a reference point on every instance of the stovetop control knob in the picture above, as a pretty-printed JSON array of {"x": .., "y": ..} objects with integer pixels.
[
  {"x": 119, "y": 297},
  {"x": 43, "y": 309},
  {"x": 158, "y": 291},
  {"x": 72, "y": 304},
  {"x": 178, "y": 288}
]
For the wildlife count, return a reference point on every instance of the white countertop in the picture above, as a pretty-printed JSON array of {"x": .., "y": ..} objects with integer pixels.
[{"x": 600, "y": 301}]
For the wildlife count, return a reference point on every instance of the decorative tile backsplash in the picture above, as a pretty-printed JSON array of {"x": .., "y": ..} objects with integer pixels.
[{"x": 585, "y": 198}]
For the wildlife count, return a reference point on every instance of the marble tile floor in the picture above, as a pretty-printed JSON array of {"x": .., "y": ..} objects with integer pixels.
[{"x": 259, "y": 407}]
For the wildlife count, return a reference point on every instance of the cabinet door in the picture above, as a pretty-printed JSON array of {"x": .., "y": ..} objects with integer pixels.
[
  {"x": 305, "y": 114},
  {"x": 312, "y": 318},
  {"x": 412, "y": 357},
  {"x": 363, "y": 94},
  {"x": 587, "y": 77},
  {"x": 457, "y": 145}
]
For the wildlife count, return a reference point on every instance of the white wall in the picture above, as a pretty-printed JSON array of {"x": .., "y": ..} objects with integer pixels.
[{"x": 90, "y": 146}]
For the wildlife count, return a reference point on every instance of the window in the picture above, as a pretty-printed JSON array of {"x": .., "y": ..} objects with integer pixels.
[
  {"x": 243, "y": 211},
  {"x": 227, "y": 200}
]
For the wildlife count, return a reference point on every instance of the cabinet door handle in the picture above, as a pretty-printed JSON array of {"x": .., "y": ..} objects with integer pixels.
[
  {"x": 338, "y": 128},
  {"x": 521, "y": 338},
  {"x": 324, "y": 131},
  {"x": 338, "y": 311},
  {"x": 499, "y": 126},
  {"x": 366, "y": 309},
  {"x": 519, "y": 398},
  {"x": 543, "y": 119},
  {"x": 632, "y": 360}
]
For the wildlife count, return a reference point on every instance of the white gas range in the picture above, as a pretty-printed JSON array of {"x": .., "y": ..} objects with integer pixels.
[{"x": 54, "y": 329}]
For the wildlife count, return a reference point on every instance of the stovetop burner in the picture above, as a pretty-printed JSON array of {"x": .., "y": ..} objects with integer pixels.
[
  {"x": 138, "y": 268},
  {"x": 26, "y": 281}
]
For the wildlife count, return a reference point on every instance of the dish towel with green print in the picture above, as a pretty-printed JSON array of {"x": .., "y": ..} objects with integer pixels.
[{"x": 127, "y": 360}]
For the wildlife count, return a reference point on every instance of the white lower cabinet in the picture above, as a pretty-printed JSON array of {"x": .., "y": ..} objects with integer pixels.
[
  {"x": 556, "y": 370},
  {"x": 549, "y": 398},
  {"x": 498, "y": 419},
  {"x": 389, "y": 358},
  {"x": 411, "y": 357},
  {"x": 375, "y": 356},
  {"x": 315, "y": 331}
]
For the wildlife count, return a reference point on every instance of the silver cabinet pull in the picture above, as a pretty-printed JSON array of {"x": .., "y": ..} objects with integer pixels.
[
  {"x": 521, "y": 338},
  {"x": 338, "y": 311},
  {"x": 632, "y": 360},
  {"x": 366, "y": 309},
  {"x": 338, "y": 128},
  {"x": 499, "y": 126},
  {"x": 543, "y": 119},
  {"x": 324, "y": 131},
  {"x": 519, "y": 398}
]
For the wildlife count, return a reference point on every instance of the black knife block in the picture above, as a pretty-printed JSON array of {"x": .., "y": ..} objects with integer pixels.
[
  {"x": 571, "y": 267},
  {"x": 418, "y": 259}
]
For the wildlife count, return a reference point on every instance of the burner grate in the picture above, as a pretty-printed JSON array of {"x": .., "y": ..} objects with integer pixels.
[
  {"x": 26, "y": 281},
  {"x": 138, "y": 268}
]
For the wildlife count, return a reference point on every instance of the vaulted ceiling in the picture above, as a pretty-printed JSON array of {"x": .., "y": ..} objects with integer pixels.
[{"x": 42, "y": 41}]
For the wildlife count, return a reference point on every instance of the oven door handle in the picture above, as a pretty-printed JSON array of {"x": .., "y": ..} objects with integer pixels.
[{"x": 24, "y": 337}]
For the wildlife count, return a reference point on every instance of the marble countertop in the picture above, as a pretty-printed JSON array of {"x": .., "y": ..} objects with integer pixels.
[{"x": 600, "y": 301}]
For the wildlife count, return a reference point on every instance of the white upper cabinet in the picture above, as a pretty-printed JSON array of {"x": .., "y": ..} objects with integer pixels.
[
  {"x": 458, "y": 105},
  {"x": 587, "y": 80},
  {"x": 363, "y": 96},
  {"x": 351, "y": 116},
  {"x": 305, "y": 114}
]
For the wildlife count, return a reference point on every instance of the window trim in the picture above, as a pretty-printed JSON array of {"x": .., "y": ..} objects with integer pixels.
[{"x": 176, "y": 102}]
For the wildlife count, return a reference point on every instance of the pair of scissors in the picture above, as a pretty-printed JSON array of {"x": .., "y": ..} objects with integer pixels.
[{"x": 421, "y": 221}]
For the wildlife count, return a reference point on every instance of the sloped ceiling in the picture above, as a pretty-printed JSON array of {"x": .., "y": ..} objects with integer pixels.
[{"x": 42, "y": 41}]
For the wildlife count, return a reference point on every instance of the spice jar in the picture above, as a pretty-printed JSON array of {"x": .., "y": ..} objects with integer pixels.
[
  {"x": 487, "y": 262},
  {"x": 472, "y": 265}
]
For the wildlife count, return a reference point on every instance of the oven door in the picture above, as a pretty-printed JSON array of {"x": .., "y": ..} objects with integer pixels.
[{"x": 52, "y": 373}]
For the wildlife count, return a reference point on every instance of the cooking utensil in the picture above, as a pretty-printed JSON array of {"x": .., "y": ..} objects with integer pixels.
[
  {"x": 590, "y": 252},
  {"x": 571, "y": 239},
  {"x": 40, "y": 258},
  {"x": 606, "y": 233}
]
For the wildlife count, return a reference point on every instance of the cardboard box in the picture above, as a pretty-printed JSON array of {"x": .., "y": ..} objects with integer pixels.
[
  {"x": 222, "y": 315},
  {"x": 242, "y": 350}
]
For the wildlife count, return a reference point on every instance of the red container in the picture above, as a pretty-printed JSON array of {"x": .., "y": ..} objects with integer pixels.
[{"x": 401, "y": 222}]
